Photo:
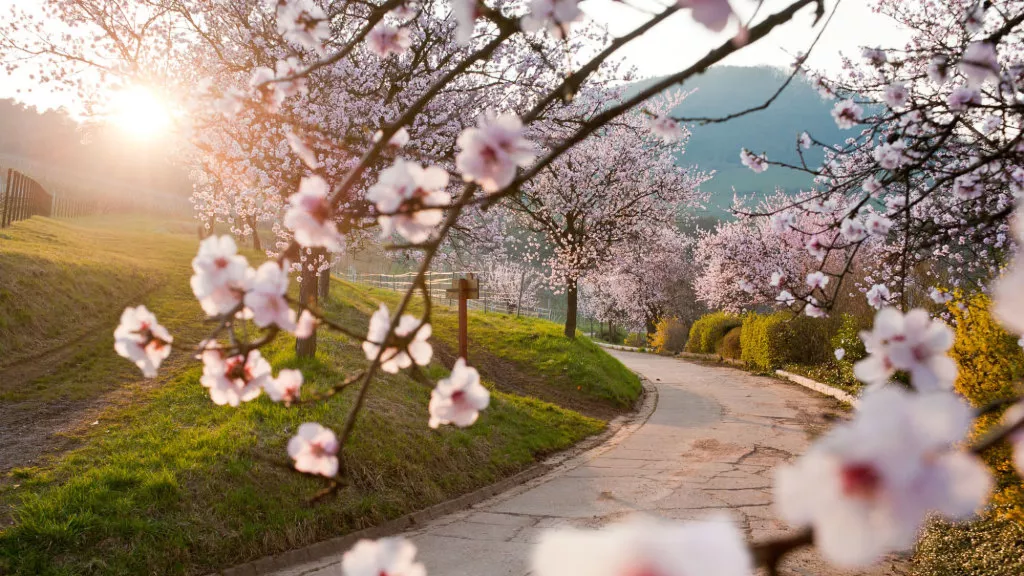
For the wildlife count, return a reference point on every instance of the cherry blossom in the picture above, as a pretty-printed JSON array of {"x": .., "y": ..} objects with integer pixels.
[
  {"x": 492, "y": 150},
  {"x": 839, "y": 353},
  {"x": 385, "y": 39},
  {"x": 265, "y": 296},
  {"x": 645, "y": 546},
  {"x": 853, "y": 230},
  {"x": 805, "y": 140},
  {"x": 1013, "y": 417},
  {"x": 875, "y": 56},
  {"x": 285, "y": 387},
  {"x": 555, "y": 15},
  {"x": 234, "y": 379},
  {"x": 398, "y": 140},
  {"x": 847, "y": 114},
  {"x": 392, "y": 359},
  {"x": 966, "y": 187},
  {"x": 817, "y": 279},
  {"x": 979, "y": 63},
  {"x": 891, "y": 155},
  {"x": 867, "y": 486},
  {"x": 220, "y": 274},
  {"x": 938, "y": 69},
  {"x": 666, "y": 128},
  {"x": 459, "y": 398},
  {"x": 466, "y": 13},
  {"x": 314, "y": 450},
  {"x": 813, "y": 310},
  {"x": 142, "y": 340},
  {"x": 940, "y": 296},
  {"x": 304, "y": 23},
  {"x": 404, "y": 195},
  {"x": 878, "y": 296},
  {"x": 309, "y": 216},
  {"x": 878, "y": 225},
  {"x": 306, "y": 325},
  {"x": 786, "y": 298},
  {"x": 712, "y": 14},
  {"x": 384, "y": 557},
  {"x": 960, "y": 97},
  {"x": 974, "y": 18},
  {"x": 1008, "y": 293},
  {"x": 777, "y": 279},
  {"x": 913, "y": 343},
  {"x": 896, "y": 96},
  {"x": 757, "y": 164}
]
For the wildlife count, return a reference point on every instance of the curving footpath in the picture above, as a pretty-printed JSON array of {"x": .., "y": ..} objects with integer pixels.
[{"x": 708, "y": 448}]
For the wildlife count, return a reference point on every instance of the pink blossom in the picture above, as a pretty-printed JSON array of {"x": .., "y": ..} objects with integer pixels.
[
  {"x": 813, "y": 309},
  {"x": 847, "y": 114},
  {"x": 913, "y": 343},
  {"x": 645, "y": 546},
  {"x": 306, "y": 325},
  {"x": 265, "y": 296},
  {"x": 459, "y": 398},
  {"x": 938, "y": 69},
  {"x": 757, "y": 164},
  {"x": 301, "y": 150},
  {"x": 817, "y": 279},
  {"x": 878, "y": 296},
  {"x": 974, "y": 18},
  {"x": 555, "y": 15},
  {"x": 959, "y": 98},
  {"x": 385, "y": 39},
  {"x": 875, "y": 56},
  {"x": 966, "y": 187},
  {"x": 219, "y": 276},
  {"x": 867, "y": 486},
  {"x": 805, "y": 141},
  {"x": 712, "y": 14},
  {"x": 777, "y": 279},
  {"x": 142, "y": 340},
  {"x": 315, "y": 450},
  {"x": 896, "y": 95},
  {"x": 815, "y": 247},
  {"x": 398, "y": 140},
  {"x": 406, "y": 10},
  {"x": 891, "y": 155},
  {"x": 393, "y": 359},
  {"x": 284, "y": 388},
  {"x": 384, "y": 557},
  {"x": 785, "y": 298},
  {"x": 940, "y": 296},
  {"x": 878, "y": 225},
  {"x": 304, "y": 23},
  {"x": 466, "y": 13},
  {"x": 979, "y": 63},
  {"x": 491, "y": 151},
  {"x": 309, "y": 216},
  {"x": 839, "y": 353},
  {"x": 666, "y": 128},
  {"x": 406, "y": 196},
  {"x": 235, "y": 379},
  {"x": 853, "y": 230}
]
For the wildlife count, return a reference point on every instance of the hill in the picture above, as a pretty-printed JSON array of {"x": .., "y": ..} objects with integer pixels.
[{"x": 728, "y": 89}]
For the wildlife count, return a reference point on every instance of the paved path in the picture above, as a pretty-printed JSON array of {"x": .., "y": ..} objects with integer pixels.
[{"x": 708, "y": 448}]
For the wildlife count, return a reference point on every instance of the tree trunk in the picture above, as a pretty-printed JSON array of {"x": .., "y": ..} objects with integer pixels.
[
  {"x": 324, "y": 285},
  {"x": 572, "y": 300},
  {"x": 255, "y": 234},
  {"x": 651, "y": 325},
  {"x": 308, "y": 289}
]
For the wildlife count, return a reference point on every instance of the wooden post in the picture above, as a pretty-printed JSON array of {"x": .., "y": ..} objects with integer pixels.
[
  {"x": 8, "y": 193},
  {"x": 463, "y": 318}
]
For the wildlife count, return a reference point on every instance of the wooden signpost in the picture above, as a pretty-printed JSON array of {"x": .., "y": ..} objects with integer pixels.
[{"x": 464, "y": 289}]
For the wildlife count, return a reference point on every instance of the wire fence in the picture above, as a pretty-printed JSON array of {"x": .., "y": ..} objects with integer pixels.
[{"x": 438, "y": 282}]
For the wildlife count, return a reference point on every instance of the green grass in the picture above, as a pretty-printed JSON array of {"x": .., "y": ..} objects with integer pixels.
[{"x": 168, "y": 483}]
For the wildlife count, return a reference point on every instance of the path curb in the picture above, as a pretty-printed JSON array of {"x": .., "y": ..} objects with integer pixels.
[
  {"x": 711, "y": 358},
  {"x": 820, "y": 388},
  {"x": 619, "y": 347},
  {"x": 620, "y": 425}
]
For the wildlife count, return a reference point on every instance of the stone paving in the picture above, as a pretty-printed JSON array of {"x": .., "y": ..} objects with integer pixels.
[{"x": 708, "y": 448}]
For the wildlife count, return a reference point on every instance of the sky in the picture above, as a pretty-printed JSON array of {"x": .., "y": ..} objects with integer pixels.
[{"x": 679, "y": 41}]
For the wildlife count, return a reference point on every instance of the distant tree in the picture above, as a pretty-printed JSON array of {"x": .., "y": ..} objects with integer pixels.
[{"x": 514, "y": 285}]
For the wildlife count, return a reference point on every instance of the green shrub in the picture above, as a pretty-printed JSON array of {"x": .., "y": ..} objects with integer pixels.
[
  {"x": 670, "y": 336},
  {"x": 709, "y": 329},
  {"x": 987, "y": 547},
  {"x": 730, "y": 346},
  {"x": 769, "y": 341}
]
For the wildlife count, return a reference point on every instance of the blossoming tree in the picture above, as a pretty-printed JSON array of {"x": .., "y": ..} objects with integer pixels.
[{"x": 862, "y": 491}]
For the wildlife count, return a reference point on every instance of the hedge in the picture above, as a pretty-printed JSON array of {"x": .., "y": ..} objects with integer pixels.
[
  {"x": 770, "y": 341},
  {"x": 729, "y": 346},
  {"x": 669, "y": 336},
  {"x": 708, "y": 330}
]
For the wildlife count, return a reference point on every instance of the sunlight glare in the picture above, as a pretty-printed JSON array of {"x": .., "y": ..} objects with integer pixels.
[{"x": 140, "y": 112}]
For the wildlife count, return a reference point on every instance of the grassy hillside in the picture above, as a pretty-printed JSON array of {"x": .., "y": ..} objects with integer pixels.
[{"x": 169, "y": 483}]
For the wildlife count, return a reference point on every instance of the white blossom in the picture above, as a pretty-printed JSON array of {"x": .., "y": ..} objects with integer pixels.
[
  {"x": 805, "y": 141},
  {"x": 398, "y": 140},
  {"x": 555, "y": 15},
  {"x": 878, "y": 225},
  {"x": 315, "y": 450},
  {"x": 466, "y": 13},
  {"x": 786, "y": 298},
  {"x": 940, "y": 296},
  {"x": 874, "y": 56},
  {"x": 304, "y": 23},
  {"x": 891, "y": 155},
  {"x": 141, "y": 339},
  {"x": 645, "y": 546},
  {"x": 913, "y": 343},
  {"x": 867, "y": 486},
  {"x": 265, "y": 296},
  {"x": 938, "y": 69},
  {"x": 757, "y": 164},
  {"x": 666, "y": 128},
  {"x": 384, "y": 557},
  {"x": 896, "y": 96},
  {"x": 492, "y": 150},
  {"x": 393, "y": 359},
  {"x": 959, "y": 98},
  {"x": 309, "y": 216},
  {"x": 967, "y": 187},
  {"x": 853, "y": 230},
  {"x": 219, "y": 275},
  {"x": 847, "y": 114},
  {"x": 234, "y": 379},
  {"x": 385, "y": 39},
  {"x": 459, "y": 398},
  {"x": 777, "y": 279},
  {"x": 306, "y": 325},
  {"x": 979, "y": 63},
  {"x": 817, "y": 279},
  {"x": 409, "y": 198},
  {"x": 712, "y": 14},
  {"x": 285, "y": 387},
  {"x": 840, "y": 353},
  {"x": 878, "y": 296}
]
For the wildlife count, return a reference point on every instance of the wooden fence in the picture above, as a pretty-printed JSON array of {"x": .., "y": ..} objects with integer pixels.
[{"x": 23, "y": 197}]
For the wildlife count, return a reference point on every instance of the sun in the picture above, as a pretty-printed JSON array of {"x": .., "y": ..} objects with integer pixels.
[{"x": 139, "y": 112}]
